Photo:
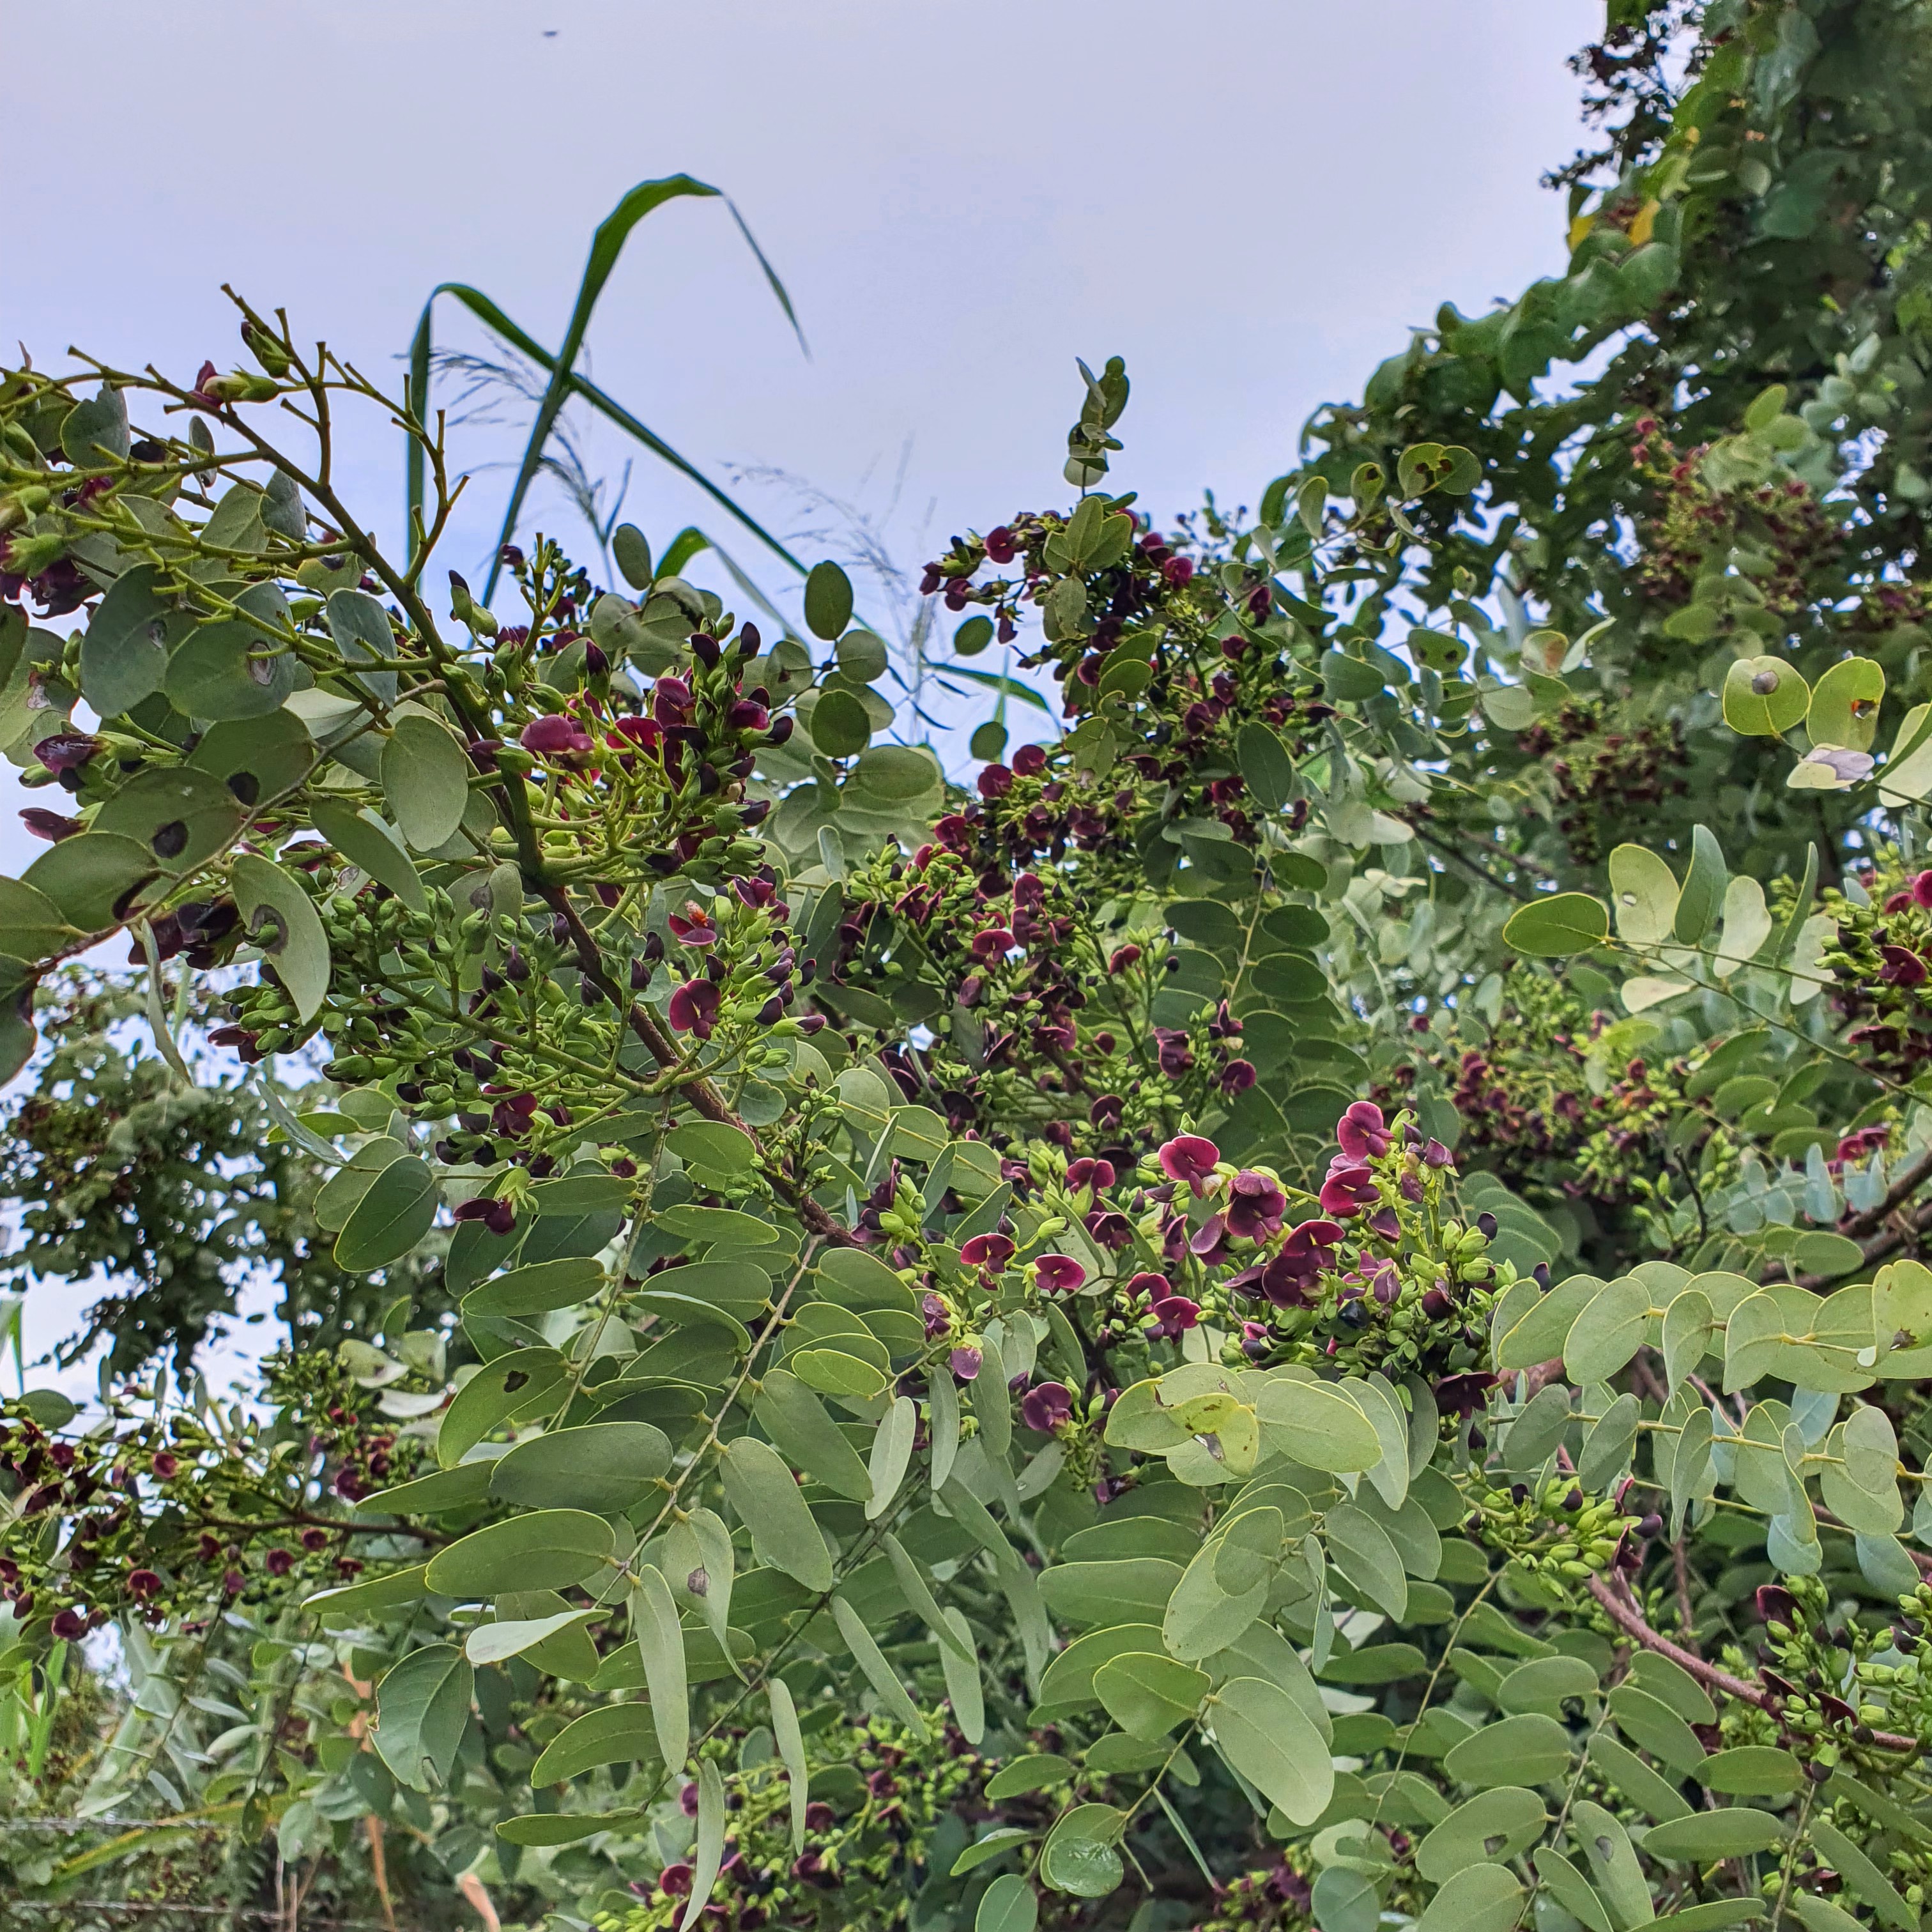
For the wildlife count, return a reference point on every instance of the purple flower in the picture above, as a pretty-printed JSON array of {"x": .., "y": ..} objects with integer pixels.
[
  {"x": 1385, "y": 1223},
  {"x": 1309, "y": 1249},
  {"x": 1348, "y": 1190},
  {"x": 1188, "y": 1157},
  {"x": 937, "y": 1318},
  {"x": 965, "y": 1363},
  {"x": 1045, "y": 1408},
  {"x": 1361, "y": 1133},
  {"x": 66, "y": 751},
  {"x": 992, "y": 1251},
  {"x": 1435, "y": 1154},
  {"x": 1111, "y": 1230},
  {"x": 694, "y": 1008},
  {"x": 1058, "y": 1274},
  {"x": 1174, "y": 1312},
  {"x": 1238, "y": 1076},
  {"x": 1097, "y": 1175},
  {"x": 1255, "y": 1206},
  {"x": 1902, "y": 966},
  {"x": 550, "y": 736}
]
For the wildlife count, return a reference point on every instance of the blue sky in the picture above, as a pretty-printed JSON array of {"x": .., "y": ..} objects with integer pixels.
[{"x": 1251, "y": 200}]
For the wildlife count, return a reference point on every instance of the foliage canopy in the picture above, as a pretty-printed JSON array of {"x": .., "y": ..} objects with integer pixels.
[{"x": 1302, "y": 1302}]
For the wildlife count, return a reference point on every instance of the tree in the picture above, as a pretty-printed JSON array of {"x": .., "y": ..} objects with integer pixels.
[{"x": 1303, "y": 1302}]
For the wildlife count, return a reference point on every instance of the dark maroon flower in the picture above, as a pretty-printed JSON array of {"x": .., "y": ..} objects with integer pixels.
[
  {"x": 693, "y": 926},
  {"x": 142, "y": 1584},
  {"x": 1188, "y": 1157},
  {"x": 1464, "y": 1394},
  {"x": 1174, "y": 1312},
  {"x": 1112, "y": 1230},
  {"x": 1385, "y": 1223},
  {"x": 1058, "y": 1274},
  {"x": 1256, "y": 1206},
  {"x": 995, "y": 942},
  {"x": 1360, "y": 1131},
  {"x": 1045, "y": 1408},
  {"x": 67, "y": 751},
  {"x": 1348, "y": 1190},
  {"x": 1178, "y": 570},
  {"x": 1172, "y": 1052},
  {"x": 279, "y": 1562},
  {"x": 1000, "y": 545},
  {"x": 989, "y": 1251},
  {"x": 551, "y": 735},
  {"x": 1435, "y": 1154},
  {"x": 1096, "y": 1173},
  {"x": 676, "y": 1879},
  {"x": 166, "y": 1466},
  {"x": 1922, "y": 889},
  {"x": 45, "y": 824},
  {"x": 694, "y": 1008},
  {"x": 69, "y": 1625},
  {"x": 1902, "y": 966},
  {"x": 1776, "y": 1604},
  {"x": 1238, "y": 1076},
  {"x": 995, "y": 781}
]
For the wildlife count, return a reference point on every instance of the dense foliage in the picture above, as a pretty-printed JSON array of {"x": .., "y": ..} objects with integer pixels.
[{"x": 1300, "y": 1304}]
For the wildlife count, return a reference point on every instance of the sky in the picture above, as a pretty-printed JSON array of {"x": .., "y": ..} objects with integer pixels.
[{"x": 1252, "y": 201}]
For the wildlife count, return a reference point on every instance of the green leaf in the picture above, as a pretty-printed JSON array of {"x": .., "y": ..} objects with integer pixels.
[
  {"x": 1619, "y": 1879},
  {"x": 654, "y": 1622},
  {"x": 715, "y": 1144},
  {"x": 710, "y": 1854},
  {"x": 1643, "y": 890},
  {"x": 1148, "y": 1694},
  {"x": 1272, "y": 1742},
  {"x": 1608, "y": 1333},
  {"x": 1136, "y": 1587},
  {"x": 1040, "y": 1771},
  {"x": 892, "y": 1451},
  {"x": 1751, "y": 1771},
  {"x": 426, "y": 779},
  {"x": 1555, "y": 927},
  {"x": 1360, "y": 1548},
  {"x": 422, "y": 1706},
  {"x": 398, "y": 1210},
  {"x": 124, "y": 655},
  {"x": 614, "y": 1734},
  {"x": 995, "y": 1845},
  {"x": 368, "y": 841},
  {"x": 878, "y": 1672},
  {"x": 960, "y": 1665},
  {"x": 1265, "y": 767},
  {"x": 1845, "y": 704},
  {"x": 1009, "y": 1906},
  {"x": 790, "y": 1742},
  {"x": 1069, "y": 1678},
  {"x": 1530, "y": 1749},
  {"x": 515, "y": 1387},
  {"x": 550, "y": 1550},
  {"x": 538, "y": 1288},
  {"x": 281, "y": 918},
  {"x": 839, "y": 725},
  {"x": 562, "y": 1828},
  {"x": 1544, "y": 1683},
  {"x": 828, "y": 601},
  {"x": 1080, "y": 1855},
  {"x": 1468, "y": 1836},
  {"x": 1315, "y": 1424},
  {"x": 1648, "y": 1721},
  {"x": 1703, "y": 890},
  {"x": 228, "y": 669},
  {"x": 1689, "y": 1329},
  {"x": 795, "y": 1420},
  {"x": 496, "y": 1642},
  {"x": 1764, "y": 698},
  {"x": 94, "y": 434},
  {"x": 352, "y": 1602},
  {"x": 1860, "y": 1872},
  {"x": 606, "y": 1468},
  {"x": 1734, "y": 1832},
  {"x": 761, "y": 1490},
  {"x": 1572, "y": 1891},
  {"x": 1479, "y": 1898},
  {"x": 1635, "y": 1779},
  {"x": 631, "y": 551},
  {"x": 31, "y": 924},
  {"x": 89, "y": 875}
]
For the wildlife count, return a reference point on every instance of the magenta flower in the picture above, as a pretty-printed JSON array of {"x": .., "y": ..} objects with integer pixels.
[
  {"x": 1150, "y": 1284},
  {"x": 1030, "y": 760},
  {"x": 1174, "y": 1312},
  {"x": 1255, "y": 1206},
  {"x": 1188, "y": 1157},
  {"x": 694, "y": 1008},
  {"x": 1097, "y": 1175},
  {"x": 995, "y": 781},
  {"x": 989, "y": 1251},
  {"x": 1045, "y": 1408},
  {"x": 553, "y": 735},
  {"x": 1058, "y": 1274},
  {"x": 1360, "y": 1131},
  {"x": 1922, "y": 889},
  {"x": 1209, "y": 1242},
  {"x": 1349, "y": 1190}
]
